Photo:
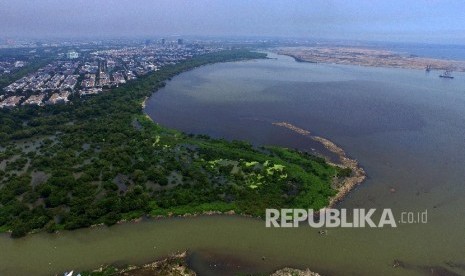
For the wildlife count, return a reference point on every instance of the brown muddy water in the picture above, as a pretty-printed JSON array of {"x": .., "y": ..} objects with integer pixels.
[{"x": 405, "y": 127}]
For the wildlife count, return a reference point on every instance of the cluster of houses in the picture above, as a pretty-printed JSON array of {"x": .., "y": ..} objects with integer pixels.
[
  {"x": 49, "y": 85},
  {"x": 10, "y": 65},
  {"x": 93, "y": 72}
]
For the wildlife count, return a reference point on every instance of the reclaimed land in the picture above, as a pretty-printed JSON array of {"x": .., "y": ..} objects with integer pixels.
[
  {"x": 100, "y": 160},
  {"x": 368, "y": 57}
]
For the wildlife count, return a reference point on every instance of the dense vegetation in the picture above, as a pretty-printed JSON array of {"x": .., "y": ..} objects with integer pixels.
[{"x": 101, "y": 160}]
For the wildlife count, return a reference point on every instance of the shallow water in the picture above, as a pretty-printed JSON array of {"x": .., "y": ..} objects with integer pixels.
[{"x": 406, "y": 128}]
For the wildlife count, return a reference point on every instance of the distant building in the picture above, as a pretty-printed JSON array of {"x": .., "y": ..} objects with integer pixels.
[
  {"x": 19, "y": 64},
  {"x": 148, "y": 42},
  {"x": 163, "y": 41},
  {"x": 72, "y": 55},
  {"x": 103, "y": 66},
  {"x": 180, "y": 41}
]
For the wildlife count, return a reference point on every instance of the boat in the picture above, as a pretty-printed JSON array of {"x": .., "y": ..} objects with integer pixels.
[
  {"x": 446, "y": 75},
  {"x": 428, "y": 68}
]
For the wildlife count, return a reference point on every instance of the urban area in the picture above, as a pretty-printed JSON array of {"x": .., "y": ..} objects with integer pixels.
[{"x": 83, "y": 72}]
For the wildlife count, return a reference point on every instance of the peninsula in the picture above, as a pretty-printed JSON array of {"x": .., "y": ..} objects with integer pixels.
[{"x": 100, "y": 160}]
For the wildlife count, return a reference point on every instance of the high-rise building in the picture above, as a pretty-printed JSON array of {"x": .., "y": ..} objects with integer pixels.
[
  {"x": 162, "y": 41},
  {"x": 180, "y": 41}
]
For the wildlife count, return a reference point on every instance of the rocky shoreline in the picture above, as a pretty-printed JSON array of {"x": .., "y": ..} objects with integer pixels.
[
  {"x": 294, "y": 272},
  {"x": 358, "y": 174},
  {"x": 173, "y": 265},
  {"x": 176, "y": 265}
]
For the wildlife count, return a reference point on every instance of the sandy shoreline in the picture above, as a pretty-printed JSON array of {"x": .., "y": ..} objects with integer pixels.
[
  {"x": 144, "y": 102},
  {"x": 368, "y": 57}
]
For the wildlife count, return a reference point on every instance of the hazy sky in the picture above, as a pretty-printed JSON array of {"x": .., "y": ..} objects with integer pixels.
[{"x": 438, "y": 21}]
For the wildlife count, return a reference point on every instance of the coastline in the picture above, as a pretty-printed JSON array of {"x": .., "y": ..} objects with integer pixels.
[
  {"x": 368, "y": 57},
  {"x": 174, "y": 264},
  {"x": 156, "y": 265},
  {"x": 347, "y": 185},
  {"x": 139, "y": 91},
  {"x": 143, "y": 105},
  {"x": 144, "y": 102},
  {"x": 336, "y": 264},
  {"x": 343, "y": 188},
  {"x": 358, "y": 174},
  {"x": 297, "y": 58},
  {"x": 177, "y": 264}
]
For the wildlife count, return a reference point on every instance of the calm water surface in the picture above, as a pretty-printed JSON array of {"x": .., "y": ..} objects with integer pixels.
[{"x": 406, "y": 127}]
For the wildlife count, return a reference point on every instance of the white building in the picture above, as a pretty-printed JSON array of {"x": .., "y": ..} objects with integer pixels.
[{"x": 72, "y": 55}]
